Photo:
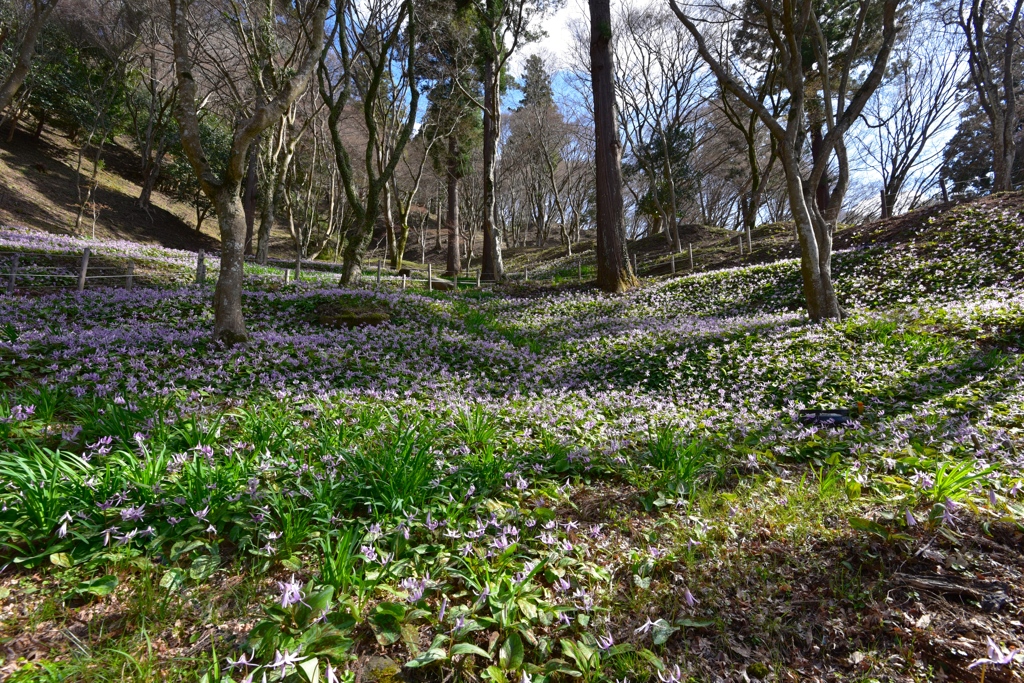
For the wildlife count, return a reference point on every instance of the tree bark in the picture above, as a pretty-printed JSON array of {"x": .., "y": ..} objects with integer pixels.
[
  {"x": 389, "y": 227},
  {"x": 454, "y": 263},
  {"x": 614, "y": 273},
  {"x": 249, "y": 197},
  {"x": 491, "y": 265},
  {"x": 229, "y": 325}
]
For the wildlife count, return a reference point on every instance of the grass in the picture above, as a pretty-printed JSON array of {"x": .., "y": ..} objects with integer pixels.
[{"x": 566, "y": 486}]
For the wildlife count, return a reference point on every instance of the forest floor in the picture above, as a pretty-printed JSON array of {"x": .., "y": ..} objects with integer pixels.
[{"x": 526, "y": 483}]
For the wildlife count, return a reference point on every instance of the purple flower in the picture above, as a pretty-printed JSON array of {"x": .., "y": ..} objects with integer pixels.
[
  {"x": 282, "y": 662},
  {"x": 242, "y": 660},
  {"x": 605, "y": 642},
  {"x": 21, "y": 413},
  {"x": 291, "y": 592},
  {"x": 133, "y": 514},
  {"x": 673, "y": 675},
  {"x": 415, "y": 588},
  {"x": 997, "y": 656}
]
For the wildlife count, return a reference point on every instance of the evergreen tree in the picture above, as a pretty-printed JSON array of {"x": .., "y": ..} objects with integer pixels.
[{"x": 536, "y": 84}]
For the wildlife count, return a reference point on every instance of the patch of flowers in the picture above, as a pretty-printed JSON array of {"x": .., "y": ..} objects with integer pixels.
[{"x": 414, "y": 481}]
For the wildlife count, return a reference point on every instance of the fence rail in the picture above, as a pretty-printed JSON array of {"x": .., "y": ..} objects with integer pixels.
[{"x": 53, "y": 272}]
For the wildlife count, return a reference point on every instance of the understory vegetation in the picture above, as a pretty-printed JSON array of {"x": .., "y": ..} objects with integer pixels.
[{"x": 527, "y": 486}]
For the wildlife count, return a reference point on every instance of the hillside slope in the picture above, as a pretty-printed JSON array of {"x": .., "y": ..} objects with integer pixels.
[{"x": 632, "y": 468}]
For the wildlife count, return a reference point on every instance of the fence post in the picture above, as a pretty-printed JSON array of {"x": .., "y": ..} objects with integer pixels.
[
  {"x": 579, "y": 268},
  {"x": 286, "y": 273},
  {"x": 526, "y": 274},
  {"x": 741, "y": 244},
  {"x": 379, "y": 264},
  {"x": 750, "y": 240},
  {"x": 478, "y": 278},
  {"x": 82, "y": 269},
  {"x": 690, "y": 244},
  {"x": 636, "y": 268},
  {"x": 430, "y": 277},
  {"x": 14, "y": 274},
  {"x": 128, "y": 281},
  {"x": 673, "y": 264},
  {"x": 201, "y": 268}
]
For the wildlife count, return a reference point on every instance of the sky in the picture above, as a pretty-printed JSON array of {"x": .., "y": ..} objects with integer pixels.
[{"x": 555, "y": 45}]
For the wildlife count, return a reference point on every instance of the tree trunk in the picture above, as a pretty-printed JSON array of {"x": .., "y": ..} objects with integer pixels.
[
  {"x": 454, "y": 263},
  {"x": 150, "y": 175},
  {"x": 815, "y": 236},
  {"x": 25, "y": 54},
  {"x": 542, "y": 220},
  {"x": 229, "y": 325},
  {"x": 491, "y": 266},
  {"x": 389, "y": 226},
  {"x": 249, "y": 197},
  {"x": 1003, "y": 154},
  {"x": 613, "y": 270},
  {"x": 40, "y": 124},
  {"x": 401, "y": 241},
  {"x": 821, "y": 194},
  {"x": 356, "y": 241}
]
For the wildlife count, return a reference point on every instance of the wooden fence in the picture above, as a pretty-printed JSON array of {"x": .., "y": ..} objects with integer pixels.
[{"x": 21, "y": 269}]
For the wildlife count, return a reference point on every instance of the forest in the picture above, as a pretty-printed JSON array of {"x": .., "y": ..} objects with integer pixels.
[{"x": 517, "y": 341}]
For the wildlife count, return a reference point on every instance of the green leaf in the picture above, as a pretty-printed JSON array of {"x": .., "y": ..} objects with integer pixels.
[
  {"x": 309, "y": 670},
  {"x": 320, "y": 601},
  {"x": 693, "y": 623},
  {"x": 871, "y": 527},
  {"x": 292, "y": 563},
  {"x": 510, "y": 656},
  {"x": 434, "y": 654},
  {"x": 386, "y": 630},
  {"x": 62, "y": 560},
  {"x": 528, "y": 609},
  {"x": 469, "y": 649},
  {"x": 99, "y": 587},
  {"x": 173, "y": 579},
  {"x": 203, "y": 567},
  {"x": 495, "y": 674},
  {"x": 182, "y": 547}
]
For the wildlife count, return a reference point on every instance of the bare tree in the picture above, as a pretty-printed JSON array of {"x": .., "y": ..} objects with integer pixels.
[
  {"x": 371, "y": 53},
  {"x": 992, "y": 75},
  {"x": 662, "y": 84},
  {"x": 222, "y": 185},
  {"x": 910, "y": 110},
  {"x": 789, "y": 28}
]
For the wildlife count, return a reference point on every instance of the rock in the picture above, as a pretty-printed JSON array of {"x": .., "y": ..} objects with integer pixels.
[
  {"x": 404, "y": 271},
  {"x": 441, "y": 285},
  {"x": 757, "y": 670},
  {"x": 378, "y": 670},
  {"x": 351, "y": 319}
]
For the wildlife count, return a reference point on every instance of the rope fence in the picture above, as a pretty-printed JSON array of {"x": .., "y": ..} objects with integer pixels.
[{"x": 25, "y": 271}]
